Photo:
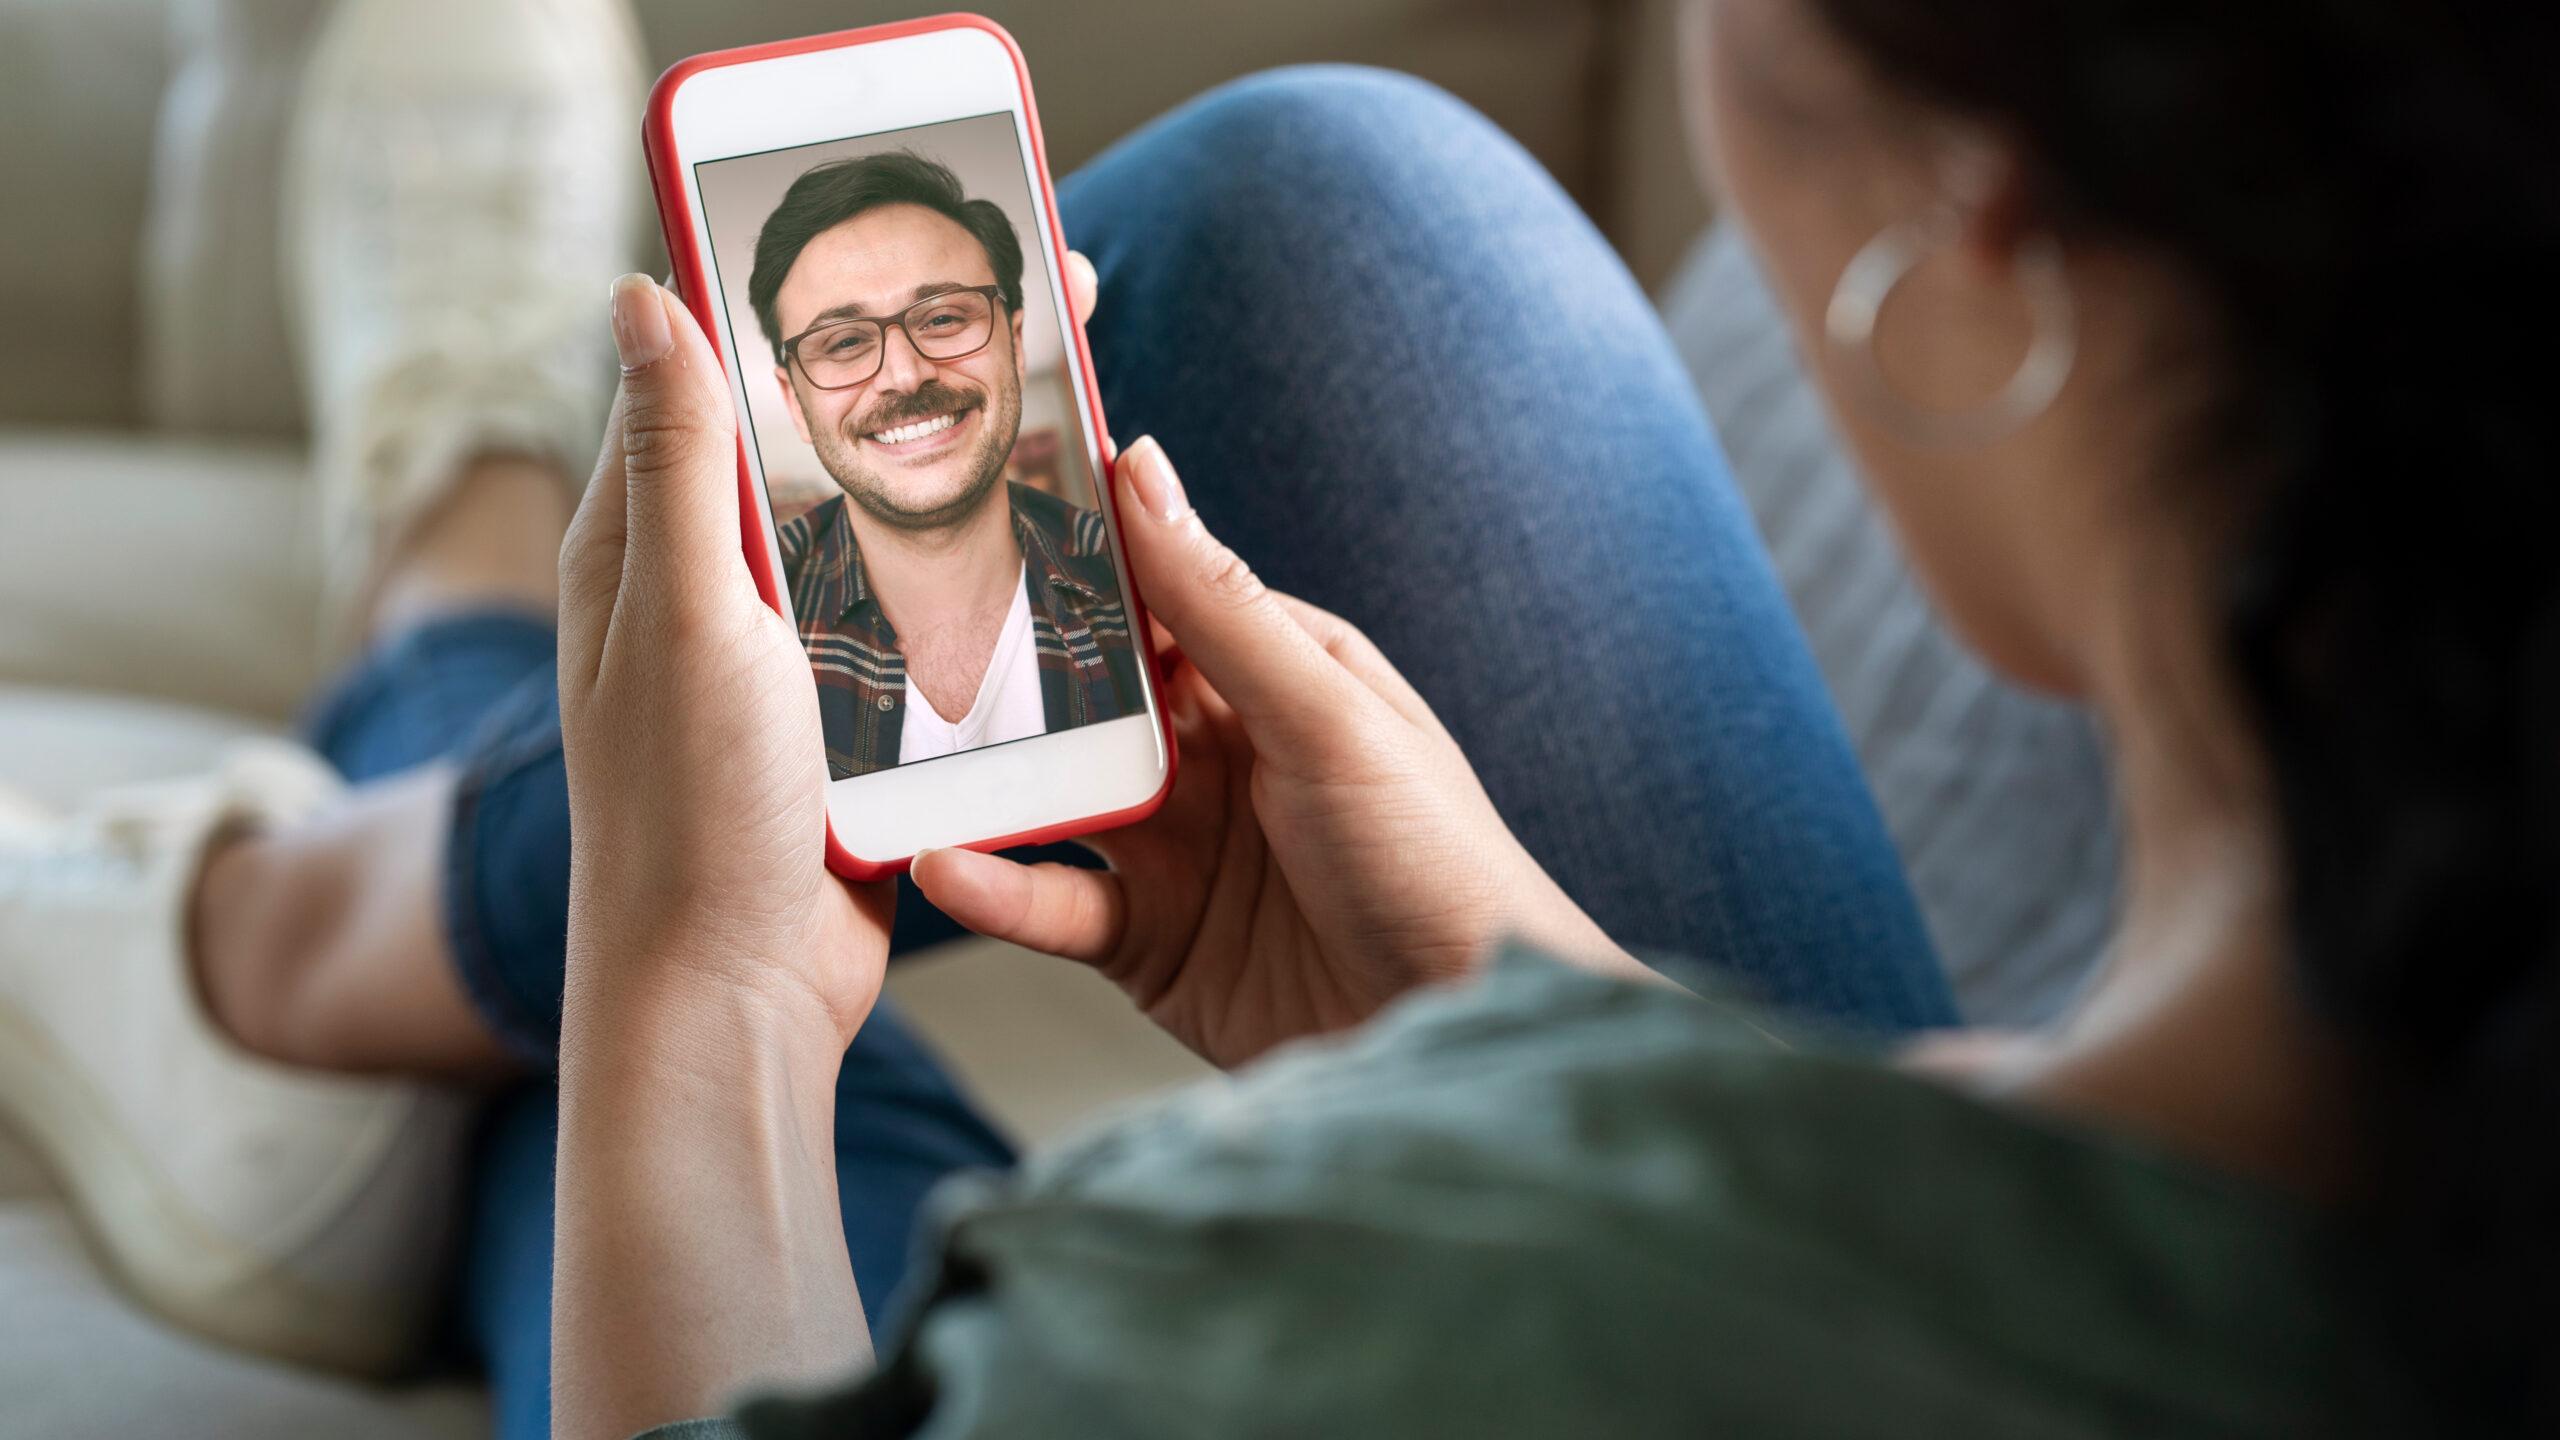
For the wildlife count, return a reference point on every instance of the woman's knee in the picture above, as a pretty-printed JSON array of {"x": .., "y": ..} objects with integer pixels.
[{"x": 1336, "y": 121}]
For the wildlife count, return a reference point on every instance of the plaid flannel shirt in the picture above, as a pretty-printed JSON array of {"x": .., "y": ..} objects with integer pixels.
[{"x": 1079, "y": 623}]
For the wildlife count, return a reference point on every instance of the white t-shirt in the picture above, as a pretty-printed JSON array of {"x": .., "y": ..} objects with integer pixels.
[{"x": 1008, "y": 706}]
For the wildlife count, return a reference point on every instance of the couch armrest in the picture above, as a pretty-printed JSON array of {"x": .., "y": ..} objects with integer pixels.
[{"x": 159, "y": 569}]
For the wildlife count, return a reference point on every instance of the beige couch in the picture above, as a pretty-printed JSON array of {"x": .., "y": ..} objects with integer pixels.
[{"x": 155, "y": 588}]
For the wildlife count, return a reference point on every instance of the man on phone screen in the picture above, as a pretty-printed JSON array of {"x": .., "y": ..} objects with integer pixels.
[{"x": 943, "y": 608}]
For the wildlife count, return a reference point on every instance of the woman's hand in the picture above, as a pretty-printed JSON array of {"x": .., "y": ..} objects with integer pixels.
[
  {"x": 697, "y": 768},
  {"x": 697, "y": 773},
  {"x": 1325, "y": 849},
  {"x": 717, "y": 970}
]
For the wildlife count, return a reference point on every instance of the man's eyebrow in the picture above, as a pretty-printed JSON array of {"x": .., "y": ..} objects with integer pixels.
[{"x": 853, "y": 311}]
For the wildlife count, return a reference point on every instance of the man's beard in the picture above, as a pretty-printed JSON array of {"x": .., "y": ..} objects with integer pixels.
[{"x": 868, "y": 489}]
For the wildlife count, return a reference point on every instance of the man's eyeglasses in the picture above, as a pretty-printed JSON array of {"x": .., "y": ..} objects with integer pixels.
[{"x": 950, "y": 326}]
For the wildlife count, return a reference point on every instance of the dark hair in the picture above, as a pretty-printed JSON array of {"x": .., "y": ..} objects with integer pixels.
[
  {"x": 828, "y": 195},
  {"x": 2361, "y": 197}
]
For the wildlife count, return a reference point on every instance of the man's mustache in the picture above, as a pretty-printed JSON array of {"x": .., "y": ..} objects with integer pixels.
[{"x": 928, "y": 400}]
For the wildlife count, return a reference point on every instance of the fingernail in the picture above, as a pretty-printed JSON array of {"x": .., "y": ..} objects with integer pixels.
[
  {"x": 1151, "y": 475},
  {"x": 640, "y": 322}
]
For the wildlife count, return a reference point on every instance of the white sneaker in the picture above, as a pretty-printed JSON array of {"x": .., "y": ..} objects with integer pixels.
[
  {"x": 461, "y": 188},
  {"x": 301, "y": 1215}
]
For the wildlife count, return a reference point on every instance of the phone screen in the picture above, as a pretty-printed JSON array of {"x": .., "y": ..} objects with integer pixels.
[{"x": 912, "y": 406}]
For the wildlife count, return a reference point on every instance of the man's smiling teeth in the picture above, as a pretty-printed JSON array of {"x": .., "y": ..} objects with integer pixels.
[{"x": 918, "y": 430}]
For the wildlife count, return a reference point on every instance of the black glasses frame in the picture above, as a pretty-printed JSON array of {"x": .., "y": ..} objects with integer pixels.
[{"x": 898, "y": 322}]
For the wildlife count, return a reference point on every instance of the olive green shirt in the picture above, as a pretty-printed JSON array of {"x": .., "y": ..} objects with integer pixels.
[{"x": 1553, "y": 1205}]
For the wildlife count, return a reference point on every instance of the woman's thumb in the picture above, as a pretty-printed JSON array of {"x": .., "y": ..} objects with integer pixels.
[
  {"x": 1281, "y": 682},
  {"x": 678, "y": 434}
]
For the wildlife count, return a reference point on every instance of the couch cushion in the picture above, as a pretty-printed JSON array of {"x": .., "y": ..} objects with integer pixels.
[
  {"x": 79, "y": 91},
  {"x": 64, "y": 745},
  {"x": 79, "y": 1362}
]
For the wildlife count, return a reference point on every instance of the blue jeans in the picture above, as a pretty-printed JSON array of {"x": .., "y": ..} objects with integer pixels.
[{"x": 1405, "y": 378}]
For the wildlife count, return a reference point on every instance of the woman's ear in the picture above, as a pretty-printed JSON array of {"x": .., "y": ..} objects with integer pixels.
[{"x": 1984, "y": 182}]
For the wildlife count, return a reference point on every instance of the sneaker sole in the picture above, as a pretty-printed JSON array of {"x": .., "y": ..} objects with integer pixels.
[{"x": 148, "y": 1238}]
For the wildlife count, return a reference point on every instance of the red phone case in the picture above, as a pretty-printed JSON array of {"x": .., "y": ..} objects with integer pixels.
[{"x": 675, "y": 214}]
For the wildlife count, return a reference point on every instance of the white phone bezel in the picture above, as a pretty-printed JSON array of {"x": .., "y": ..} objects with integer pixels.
[{"x": 1023, "y": 787}]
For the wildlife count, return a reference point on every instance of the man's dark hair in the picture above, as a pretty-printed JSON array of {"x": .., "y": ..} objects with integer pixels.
[{"x": 828, "y": 195}]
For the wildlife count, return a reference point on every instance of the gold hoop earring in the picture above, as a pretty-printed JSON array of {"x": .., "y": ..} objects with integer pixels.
[{"x": 1879, "y": 270}]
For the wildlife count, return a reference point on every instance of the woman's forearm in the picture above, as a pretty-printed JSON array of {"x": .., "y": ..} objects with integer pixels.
[{"x": 700, "y": 1249}]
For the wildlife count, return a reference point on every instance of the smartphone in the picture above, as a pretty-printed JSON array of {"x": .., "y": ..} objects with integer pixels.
[{"x": 864, "y": 225}]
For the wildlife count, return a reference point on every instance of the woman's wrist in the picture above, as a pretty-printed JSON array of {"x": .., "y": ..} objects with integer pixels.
[
  {"x": 697, "y": 1179},
  {"x": 644, "y": 1015}
]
